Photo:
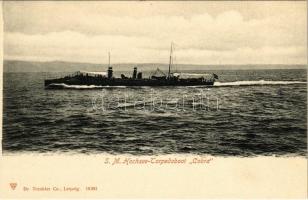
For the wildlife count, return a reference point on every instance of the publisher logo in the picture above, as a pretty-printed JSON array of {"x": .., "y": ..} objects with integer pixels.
[{"x": 13, "y": 186}]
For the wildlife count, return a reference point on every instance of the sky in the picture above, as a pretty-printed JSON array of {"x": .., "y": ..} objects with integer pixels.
[{"x": 232, "y": 32}]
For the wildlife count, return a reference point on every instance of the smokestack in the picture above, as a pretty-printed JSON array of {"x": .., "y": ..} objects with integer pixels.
[
  {"x": 110, "y": 72},
  {"x": 139, "y": 75},
  {"x": 135, "y": 73}
]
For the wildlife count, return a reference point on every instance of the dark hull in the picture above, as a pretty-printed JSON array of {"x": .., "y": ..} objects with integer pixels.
[{"x": 96, "y": 81}]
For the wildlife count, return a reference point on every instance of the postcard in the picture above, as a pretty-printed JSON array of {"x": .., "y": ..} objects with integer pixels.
[{"x": 153, "y": 99}]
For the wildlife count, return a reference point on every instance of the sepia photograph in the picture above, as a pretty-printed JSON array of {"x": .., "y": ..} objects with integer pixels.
[
  {"x": 210, "y": 79},
  {"x": 156, "y": 81}
]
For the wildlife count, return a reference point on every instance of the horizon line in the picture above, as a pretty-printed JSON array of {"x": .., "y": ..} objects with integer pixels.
[{"x": 96, "y": 63}]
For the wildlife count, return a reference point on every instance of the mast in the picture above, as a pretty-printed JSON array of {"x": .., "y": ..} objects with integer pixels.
[
  {"x": 170, "y": 61},
  {"x": 110, "y": 72},
  {"x": 109, "y": 59}
]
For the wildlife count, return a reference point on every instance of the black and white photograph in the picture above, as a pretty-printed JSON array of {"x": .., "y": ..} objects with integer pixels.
[
  {"x": 193, "y": 78},
  {"x": 154, "y": 99}
]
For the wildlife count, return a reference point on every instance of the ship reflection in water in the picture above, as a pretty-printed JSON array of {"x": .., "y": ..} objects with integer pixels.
[{"x": 158, "y": 78}]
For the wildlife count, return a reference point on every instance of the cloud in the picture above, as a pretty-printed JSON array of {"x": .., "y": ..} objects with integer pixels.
[{"x": 227, "y": 37}]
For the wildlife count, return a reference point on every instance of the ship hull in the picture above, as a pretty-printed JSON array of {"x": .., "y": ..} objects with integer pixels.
[{"x": 92, "y": 81}]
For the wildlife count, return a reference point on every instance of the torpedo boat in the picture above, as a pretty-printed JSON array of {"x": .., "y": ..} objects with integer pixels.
[{"x": 158, "y": 78}]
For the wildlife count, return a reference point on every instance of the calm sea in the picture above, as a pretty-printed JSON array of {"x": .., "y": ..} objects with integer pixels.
[{"x": 246, "y": 113}]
